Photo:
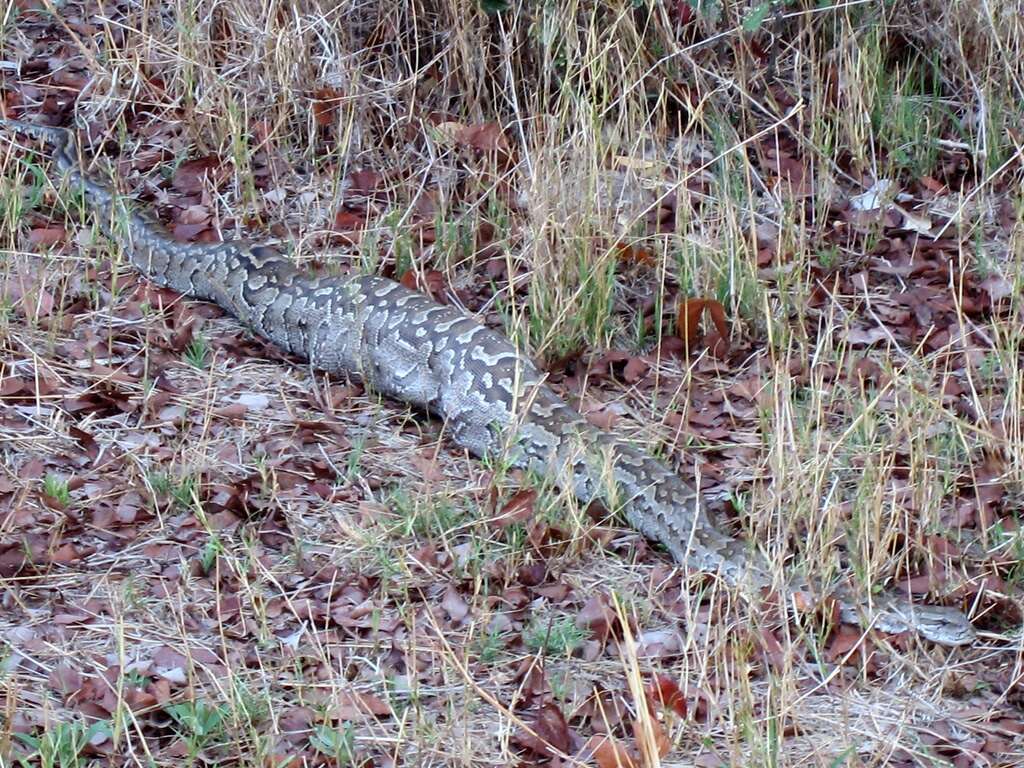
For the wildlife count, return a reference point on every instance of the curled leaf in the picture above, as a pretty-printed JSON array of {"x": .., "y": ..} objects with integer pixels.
[{"x": 688, "y": 319}]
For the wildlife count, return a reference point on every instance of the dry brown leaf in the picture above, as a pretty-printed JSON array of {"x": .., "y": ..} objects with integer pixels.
[
  {"x": 550, "y": 735},
  {"x": 430, "y": 282},
  {"x": 665, "y": 692},
  {"x": 608, "y": 753},
  {"x": 688, "y": 317},
  {"x": 351, "y": 705},
  {"x": 426, "y": 464},
  {"x": 632, "y": 254},
  {"x": 661, "y": 741},
  {"x": 325, "y": 103},
  {"x": 635, "y": 370},
  {"x": 844, "y": 640},
  {"x": 602, "y": 417},
  {"x": 185, "y": 233},
  {"x": 67, "y": 553},
  {"x": 190, "y": 177},
  {"x": 351, "y": 223},
  {"x": 518, "y": 509},
  {"x": 453, "y": 604},
  {"x": 597, "y": 616},
  {"x": 47, "y": 236},
  {"x": 485, "y": 137},
  {"x": 364, "y": 182}
]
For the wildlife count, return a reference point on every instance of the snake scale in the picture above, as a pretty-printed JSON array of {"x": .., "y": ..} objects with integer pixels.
[{"x": 493, "y": 399}]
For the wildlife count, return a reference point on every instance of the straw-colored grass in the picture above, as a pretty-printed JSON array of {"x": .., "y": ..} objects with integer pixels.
[{"x": 238, "y": 560}]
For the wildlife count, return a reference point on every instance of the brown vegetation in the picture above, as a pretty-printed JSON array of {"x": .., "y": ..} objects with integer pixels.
[{"x": 210, "y": 554}]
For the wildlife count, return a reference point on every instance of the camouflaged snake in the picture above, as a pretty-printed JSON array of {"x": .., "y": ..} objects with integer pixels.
[{"x": 493, "y": 399}]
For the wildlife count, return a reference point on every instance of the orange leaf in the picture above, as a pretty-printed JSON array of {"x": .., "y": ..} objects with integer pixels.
[
  {"x": 688, "y": 319},
  {"x": 634, "y": 254},
  {"x": 548, "y": 735},
  {"x": 65, "y": 554},
  {"x": 609, "y": 753},
  {"x": 717, "y": 312},
  {"x": 661, "y": 740},
  {"x": 665, "y": 692},
  {"x": 346, "y": 220},
  {"x": 430, "y": 282},
  {"x": 325, "y": 105}
]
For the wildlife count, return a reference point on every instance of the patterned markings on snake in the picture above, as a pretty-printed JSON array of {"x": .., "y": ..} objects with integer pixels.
[{"x": 493, "y": 399}]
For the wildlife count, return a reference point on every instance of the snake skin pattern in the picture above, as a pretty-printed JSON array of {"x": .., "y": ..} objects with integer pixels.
[{"x": 493, "y": 399}]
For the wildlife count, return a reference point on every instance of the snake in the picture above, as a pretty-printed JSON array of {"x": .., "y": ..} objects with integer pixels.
[{"x": 494, "y": 400}]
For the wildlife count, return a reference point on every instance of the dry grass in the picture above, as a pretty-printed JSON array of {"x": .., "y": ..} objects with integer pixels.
[{"x": 231, "y": 553}]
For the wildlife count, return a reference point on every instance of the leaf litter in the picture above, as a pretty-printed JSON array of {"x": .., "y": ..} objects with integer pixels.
[{"x": 330, "y": 559}]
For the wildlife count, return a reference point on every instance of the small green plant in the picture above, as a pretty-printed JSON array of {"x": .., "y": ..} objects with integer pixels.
[
  {"x": 250, "y": 706},
  {"x": 337, "y": 744},
  {"x": 757, "y": 16},
  {"x": 184, "y": 491},
  {"x": 402, "y": 246},
  {"x": 209, "y": 554},
  {"x": 558, "y": 637},
  {"x": 489, "y": 646},
  {"x": 134, "y": 678},
  {"x": 61, "y": 744},
  {"x": 198, "y": 723},
  {"x": 6, "y": 311},
  {"x": 197, "y": 352},
  {"x": 828, "y": 257},
  {"x": 38, "y": 183},
  {"x": 57, "y": 489},
  {"x": 1012, "y": 542},
  {"x": 159, "y": 483},
  {"x": 433, "y": 517},
  {"x": 355, "y": 455}
]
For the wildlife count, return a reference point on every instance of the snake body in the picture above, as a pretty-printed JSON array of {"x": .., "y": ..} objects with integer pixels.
[{"x": 494, "y": 400}]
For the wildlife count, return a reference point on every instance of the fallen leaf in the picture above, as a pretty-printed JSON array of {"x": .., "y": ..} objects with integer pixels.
[
  {"x": 632, "y": 254},
  {"x": 185, "y": 233},
  {"x": 190, "y": 177},
  {"x": 325, "y": 103},
  {"x": 688, "y": 316},
  {"x": 453, "y": 604},
  {"x": 67, "y": 553},
  {"x": 65, "y": 679},
  {"x": 914, "y": 222},
  {"x": 485, "y": 137},
  {"x": 844, "y": 640},
  {"x": 364, "y": 182},
  {"x": 879, "y": 194},
  {"x": 636, "y": 369},
  {"x": 430, "y": 282},
  {"x": 350, "y": 222},
  {"x": 351, "y": 705},
  {"x": 296, "y": 720},
  {"x": 661, "y": 741},
  {"x": 866, "y": 336},
  {"x": 47, "y": 236},
  {"x": 608, "y": 753},
  {"x": 550, "y": 733},
  {"x": 518, "y": 509},
  {"x": 597, "y": 616},
  {"x": 665, "y": 692}
]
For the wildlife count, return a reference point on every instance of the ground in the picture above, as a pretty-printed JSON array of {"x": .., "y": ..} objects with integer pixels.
[{"x": 782, "y": 252}]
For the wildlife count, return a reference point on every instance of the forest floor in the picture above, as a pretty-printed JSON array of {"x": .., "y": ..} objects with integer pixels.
[{"x": 210, "y": 553}]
